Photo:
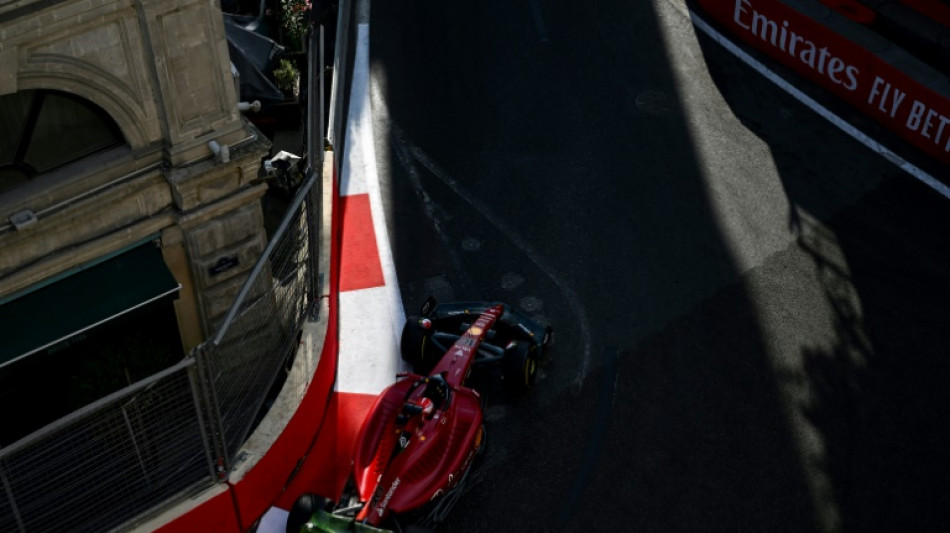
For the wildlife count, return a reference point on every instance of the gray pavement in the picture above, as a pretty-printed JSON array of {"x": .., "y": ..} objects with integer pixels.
[{"x": 747, "y": 302}]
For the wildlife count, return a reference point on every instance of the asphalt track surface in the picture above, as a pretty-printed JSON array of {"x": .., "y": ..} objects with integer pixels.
[{"x": 749, "y": 305}]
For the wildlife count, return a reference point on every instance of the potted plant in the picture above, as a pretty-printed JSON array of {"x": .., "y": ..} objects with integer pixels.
[
  {"x": 293, "y": 22},
  {"x": 287, "y": 78}
]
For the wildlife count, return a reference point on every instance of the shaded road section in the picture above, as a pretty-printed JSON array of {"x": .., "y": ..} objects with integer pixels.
[{"x": 707, "y": 250}]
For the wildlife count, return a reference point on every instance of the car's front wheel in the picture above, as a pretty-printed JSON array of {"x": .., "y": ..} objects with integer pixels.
[
  {"x": 520, "y": 366},
  {"x": 416, "y": 346}
]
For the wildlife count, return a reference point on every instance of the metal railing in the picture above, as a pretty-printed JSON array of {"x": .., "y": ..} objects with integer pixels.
[
  {"x": 260, "y": 333},
  {"x": 178, "y": 432},
  {"x": 111, "y": 460}
]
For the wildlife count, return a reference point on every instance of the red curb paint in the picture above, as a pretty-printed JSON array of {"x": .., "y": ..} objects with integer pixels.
[{"x": 360, "y": 267}]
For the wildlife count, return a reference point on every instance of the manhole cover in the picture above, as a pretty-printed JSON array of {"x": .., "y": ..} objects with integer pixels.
[
  {"x": 511, "y": 280},
  {"x": 653, "y": 102},
  {"x": 471, "y": 245},
  {"x": 531, "y": 304}
]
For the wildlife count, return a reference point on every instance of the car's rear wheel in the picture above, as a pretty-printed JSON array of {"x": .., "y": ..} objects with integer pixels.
[
  {"x": 303, "y": 510},
  {"x": 481, "y": 443},
  {"x": 520, "y": 366}
]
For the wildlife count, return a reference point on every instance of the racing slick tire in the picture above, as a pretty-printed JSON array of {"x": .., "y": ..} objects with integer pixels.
[
  {"x": 416, "y": 347},
  {"x": 520, "y": 365},
  {"x": 480, "y": 451},
  {"x": 303, "y": 510}
]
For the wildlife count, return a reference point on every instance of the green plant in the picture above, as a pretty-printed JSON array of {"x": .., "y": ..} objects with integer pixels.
[
  {"x": 286, "y": 75},
  {"x": 293, "y": 20}
]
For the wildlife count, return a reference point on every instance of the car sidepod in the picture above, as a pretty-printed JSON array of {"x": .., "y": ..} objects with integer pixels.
[{"x": 400, "y": 473}]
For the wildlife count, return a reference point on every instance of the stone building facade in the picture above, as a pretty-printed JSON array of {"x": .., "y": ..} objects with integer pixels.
[{"x": 181, "y": 176}]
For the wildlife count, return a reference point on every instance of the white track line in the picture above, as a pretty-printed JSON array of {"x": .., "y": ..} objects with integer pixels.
[
  {"x": 396, "y": 316},
  {"x": 840, "y": 123},
  {"x": 371, "y": 319}
]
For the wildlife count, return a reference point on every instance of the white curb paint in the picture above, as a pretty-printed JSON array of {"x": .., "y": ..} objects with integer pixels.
[{"x": 371, "y": 319}]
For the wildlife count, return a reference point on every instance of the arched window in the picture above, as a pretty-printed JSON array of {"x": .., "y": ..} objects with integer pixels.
[{"x": 43, "y": 129}]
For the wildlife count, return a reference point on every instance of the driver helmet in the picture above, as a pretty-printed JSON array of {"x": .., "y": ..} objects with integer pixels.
[{"x": 427, "y": 406}]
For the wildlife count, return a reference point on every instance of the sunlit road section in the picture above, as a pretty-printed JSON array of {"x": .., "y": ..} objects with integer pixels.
[{"x": 749, "y": 302}]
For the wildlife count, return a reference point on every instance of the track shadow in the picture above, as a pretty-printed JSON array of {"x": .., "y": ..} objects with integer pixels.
[
  {"x": 562, "y": 145},
  {"x": 872, "y": 397},
  {"x": 880, "y": 394}
]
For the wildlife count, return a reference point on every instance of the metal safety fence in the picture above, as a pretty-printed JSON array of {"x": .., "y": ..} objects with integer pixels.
[
  {"x": 240, "y": 364},
  {"x": 111, "y": 460},
  {"x": 178, "y": 432}
]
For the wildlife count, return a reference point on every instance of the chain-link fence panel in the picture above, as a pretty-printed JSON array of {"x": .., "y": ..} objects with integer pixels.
[
  {"x": 261, "y": 332},
  {"x": 110, "y": 461}
]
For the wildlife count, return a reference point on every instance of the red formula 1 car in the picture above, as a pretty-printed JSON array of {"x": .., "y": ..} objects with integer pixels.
[{"x": 416, "y": 446}]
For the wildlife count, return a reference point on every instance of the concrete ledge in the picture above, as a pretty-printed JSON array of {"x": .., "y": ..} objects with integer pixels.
[{"x": 216, "y": 500}]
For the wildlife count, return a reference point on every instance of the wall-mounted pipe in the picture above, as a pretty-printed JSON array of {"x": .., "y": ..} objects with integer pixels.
[
  {"x": 254, "y": 106},
  {"x": 221, "y": 152}
]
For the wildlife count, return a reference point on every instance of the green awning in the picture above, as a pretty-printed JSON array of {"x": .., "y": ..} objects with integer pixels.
[{"x": 82, "y": 299}]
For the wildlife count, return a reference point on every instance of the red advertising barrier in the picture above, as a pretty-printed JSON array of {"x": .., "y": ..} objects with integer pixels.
[{"x": 918, "y": 114}]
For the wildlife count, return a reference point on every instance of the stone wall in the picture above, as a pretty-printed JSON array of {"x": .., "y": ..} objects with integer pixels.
[{"x": 160, "y": 69}]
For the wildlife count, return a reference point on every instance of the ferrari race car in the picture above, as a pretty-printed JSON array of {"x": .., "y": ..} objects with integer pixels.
[{"x": 416, "y": 446}]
